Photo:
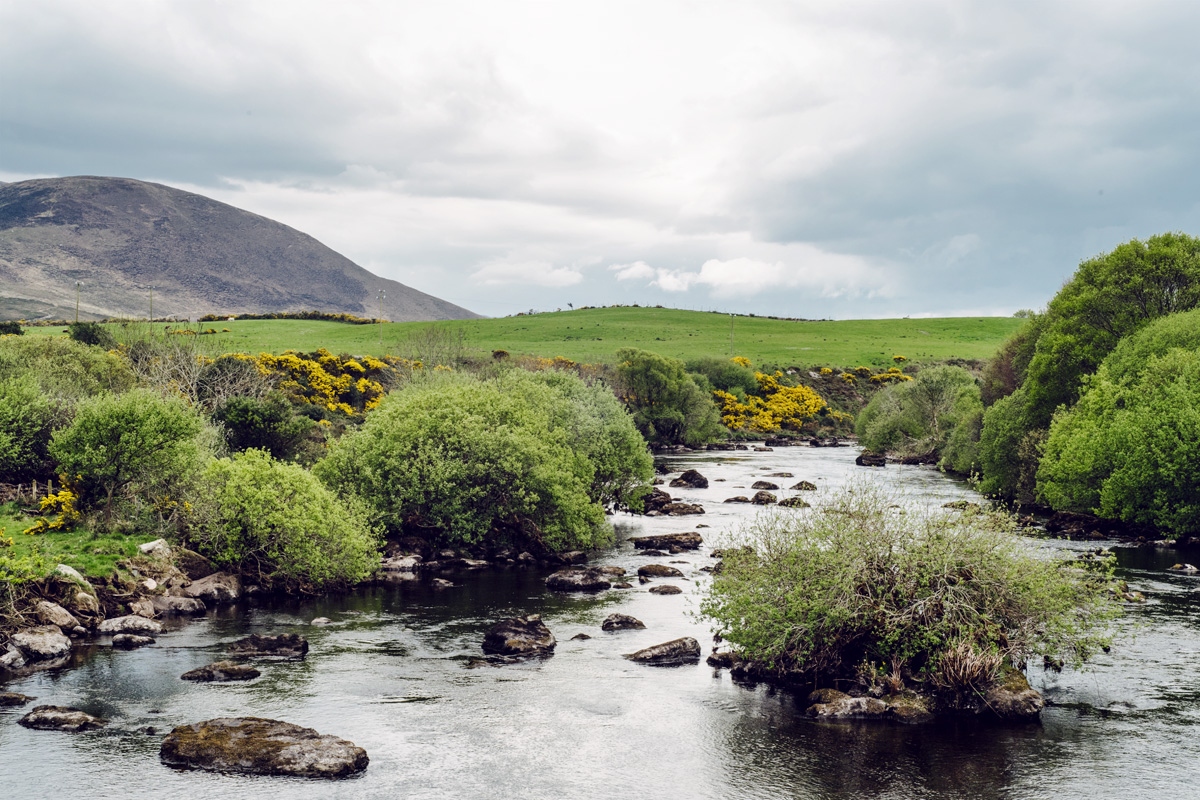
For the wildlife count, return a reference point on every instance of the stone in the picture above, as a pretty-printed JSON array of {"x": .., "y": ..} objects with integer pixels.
[
  {"x": 60, "y": 718},
  {"x": 284, "y": 645},
  {"x": 677, "y": 651},
  {"x": 408, "y": 563},
  {"x": 804, "y": 486},
  {"x": 780, "y": 475},
  {"x": 623, "y": 585},
  {"x": 576, "y": 579},
  {"x": 177, "y": 606},
  {"x": 572, "y": 557},
  {"x": 261, "y": 747},
  {"x": 217, "y": 588},
  {"x": 54, "y": 614},
  {"x": 442, "y": 583},
  {"x": 71, "y": 574},
  {"x": 130, "y": 623},
  {"x": 846, "y": 707},
  {"x": 658, "y": 571},
  {"x": 871, "y": 460},
  {"x": 794, "y": 502},
  {"x": 722, "y": 660},
  {"x": 143, "y": 607},
  {"x": 690, "y": 479},
  {"x": 1183, "y": 568},
  {"x": 741, "y": 498},
  {"x": 1011, "y": 698},
  {"x": 221, "y": 672},
  {"x": 663, "y": 541},
  {"x": 616, "y": 572},
  {"x": 158, "y": 547},
  {"x": 10, "y": 699},
  {"x": 764, "y": 485},
  {"x": 580, "y": 637},
  {"x": 526, "y": 559},
  {"x": 129, "y": 641},
  {"x": 666, "y": 589},
  {"x": 621, "y": 622},
  {"x": 763, "y": 498},
  {"x": 519, "y": 636},
  {"x": 682, "y": 509},
  {"x": 962, "y": 505},
  {"x": 85, "y": 603},
  {"x": 42, "y": 643},
  {"x": 192, "y": 564},
  {"x": 320, "y": 621},
  {"x": 12, "y": 658}
]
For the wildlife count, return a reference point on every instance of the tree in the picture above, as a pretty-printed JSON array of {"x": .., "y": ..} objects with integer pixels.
[
  {"x": 265, "y": 424},
  {"x": 27, "y": 419},
  {"x": 277, "y": 523},
  {"x": 667, "y": 405},
  {"x": 11, "y": 328},
  {"x": 917, "y": 418},
  {"x": 137, "y": 442},
  {"x": 91, "y": 333}
]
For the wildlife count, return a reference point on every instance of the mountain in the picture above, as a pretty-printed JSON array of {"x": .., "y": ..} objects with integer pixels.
[{"x": 118, "y": 237}]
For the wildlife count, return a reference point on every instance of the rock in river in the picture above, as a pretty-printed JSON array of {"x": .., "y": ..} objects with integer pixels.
[
  {"x": 871, "y": 460},
  {"x": 666, "y": 589},
  {"x": 658, "y": 571},
  {"x": 285, "y": 645},
  {"x": 60, "y": 718},
  {"x": 665, "y": 541},
  {"x": 131, "y": 623},
  {"x": 576, "y": 579},
  {"x": 220, "y": 587},
  {"x": 130, "y": 641},
  {"x": 519, "y": 636},
  {"x": 763, "y": 498},
  {"x": 8, "y": 699},
  {"x": 41, "y": 643},
  {"x": 221, "y": 672},
  {"x": 764, "y": 485},
  {"x": 690, "y": 479},
  {"x": 621, "y": 622},
  {"x": 54, "y": 614},
  {"x": 176, "y": 606},
  {"x": 794, "y": 502},
  {"x": 261, "y": 747},
  {"x": 805, "y": 486},
  {"x": 676, "y": 651}
]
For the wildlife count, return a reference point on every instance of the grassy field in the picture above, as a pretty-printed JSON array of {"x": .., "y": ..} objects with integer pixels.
[
  {"x": 92, "y": 555},
  {"x": 594, "y": 335}
]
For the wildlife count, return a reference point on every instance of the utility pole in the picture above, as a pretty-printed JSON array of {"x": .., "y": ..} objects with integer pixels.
[
  {"x": 382, "y": 294},
  {"x": 152, "y": 304},
  {"x": 731, "y": 335},
  {"x": 76, "y": 301}
]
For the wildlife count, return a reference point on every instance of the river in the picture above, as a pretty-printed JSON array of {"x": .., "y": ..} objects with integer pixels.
[{"x": 392, "y": 675}]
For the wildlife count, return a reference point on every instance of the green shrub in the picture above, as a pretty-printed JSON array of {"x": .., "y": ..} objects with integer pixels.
[
  {"x": 726, "y": 375},
  {"x": 65, "y": 370},
  {"x": 1130, "y": 448},
  {"x": 91, "y": 333},
  {"x": 277, "y": 524},
  {"x": 1009, "y": 451},
  {"x": 860, "y": 580},
  {"x": 667, "y": 405},
  {"x": 11, "y": 328},
  {"x": 918, "y": 417},
  {"x": 466, "y": 457},
  {"x": 138, "y": 445},
  {"x": 264, "y": 424},
  {"x": 27, "y": 418}
]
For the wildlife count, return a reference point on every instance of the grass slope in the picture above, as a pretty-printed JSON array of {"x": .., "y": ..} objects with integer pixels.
[{"x": 594, "y": 335}]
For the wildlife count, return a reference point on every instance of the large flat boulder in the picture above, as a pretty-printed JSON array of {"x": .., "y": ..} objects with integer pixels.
[
  {"x": 665, "y": 541},
  {"x": 60, "y": 718},
  {"x": 658, "y": 571},
  {"x": 42, "y": 643},
  {"x": 677, "y": 651},
  {"x": 54, "y": 614},
  {"x": 519, "y": 636},
  {"x": 221, "y": 672},
  {"x": 621, "y": 622},
  {"x": 576, "y": 579},
  {"x": 220, "y": 587},
  {"x": 261, "y": 747},
  {"x": 177, "y": 606},
  {"x": 131, "y": 623}
]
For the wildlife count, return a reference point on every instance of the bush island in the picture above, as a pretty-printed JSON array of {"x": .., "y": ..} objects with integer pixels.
[
  {"x": 277, "y": 523},
  {"x": 816, "y": 594},
  {"x": 468, "y": 457}
]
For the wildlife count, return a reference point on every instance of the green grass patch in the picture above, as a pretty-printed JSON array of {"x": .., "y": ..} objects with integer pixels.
[
  {"x": 594, "y": 336},
  {"x": 94, "y": 556}
]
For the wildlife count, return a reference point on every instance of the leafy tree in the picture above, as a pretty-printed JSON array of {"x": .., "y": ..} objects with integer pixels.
[
  {"x": 276, "y": 522},
  {"x": 1130, "y": 448},
  {"x": 265, "y": 424},
  {"x": 726, "y": 375},
  {"x": 918, "y": 417},
  {"x": 1009, "y": 450},
  {"x": 27, "y": 418},
  {"x": 667, "y": 405},
  {"x": 468, "y": 457},
  {"x": 11, "y": 328},
  {"x": 91, "y": 333},
  {"x": 138, "y": 442},
  {"x": 64, "y": 369}
]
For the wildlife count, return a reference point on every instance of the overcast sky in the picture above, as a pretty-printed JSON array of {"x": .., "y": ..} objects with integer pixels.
[{"x": 811, "y": 159}]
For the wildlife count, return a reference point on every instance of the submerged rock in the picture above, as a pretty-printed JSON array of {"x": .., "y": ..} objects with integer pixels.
[
  {"x": 658, "y": 571},
  {"x": 741, "y": 498},
  {"x": 577, "y": 579},
  {"x": 691, "y": 479},
  {"x": 621, "y": 622},
  {"x": 804, "y": 486},
  {"x": 677, "y": 651},
  {"x": 262, "y": 747},
  {"x": 764, "y": 485},
  {"x": 221, "y": 672},
  {"x": 519, "y": 636},
  {"x": 794, "y": 502},
  {"x": 871, "y": 460},
  {"x": 723, "y": 660},
  {"x": 666, "y": 589},
  {"x": 10, "y": 699},
  {"x": 284, "y": 645},
  {"x": 60, "y": 718},
  {"x": 763, "y": 498},
  {"x": 1012, "y": 698},
  {"x": 130, "y": 641},
  {"x": 664, "y": 541}
]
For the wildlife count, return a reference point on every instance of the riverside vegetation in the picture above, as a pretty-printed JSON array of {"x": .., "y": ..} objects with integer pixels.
[{"x": 294, "y": 469}]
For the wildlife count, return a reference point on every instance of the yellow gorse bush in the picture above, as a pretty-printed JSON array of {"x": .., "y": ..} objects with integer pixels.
[
  {"x": 780, "y": 407},
  {"x": 62, "y": 507}
]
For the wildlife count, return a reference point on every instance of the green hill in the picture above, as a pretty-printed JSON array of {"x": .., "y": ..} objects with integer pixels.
[{"x": 594, "y": 335}]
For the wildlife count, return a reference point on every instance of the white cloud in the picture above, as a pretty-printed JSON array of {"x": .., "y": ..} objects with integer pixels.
[
  {"x": 526, "y": 273},
  {"x": 638, "y": 270}
]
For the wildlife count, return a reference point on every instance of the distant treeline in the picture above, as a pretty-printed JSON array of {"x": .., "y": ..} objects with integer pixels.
[{"x": 308, "y": 315}]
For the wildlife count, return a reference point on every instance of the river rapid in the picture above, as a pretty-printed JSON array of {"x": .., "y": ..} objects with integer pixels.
[{"x": 392, "y": 674}]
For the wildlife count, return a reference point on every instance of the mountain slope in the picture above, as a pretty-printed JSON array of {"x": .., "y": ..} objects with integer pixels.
[{"x": 118, "y": 237}]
